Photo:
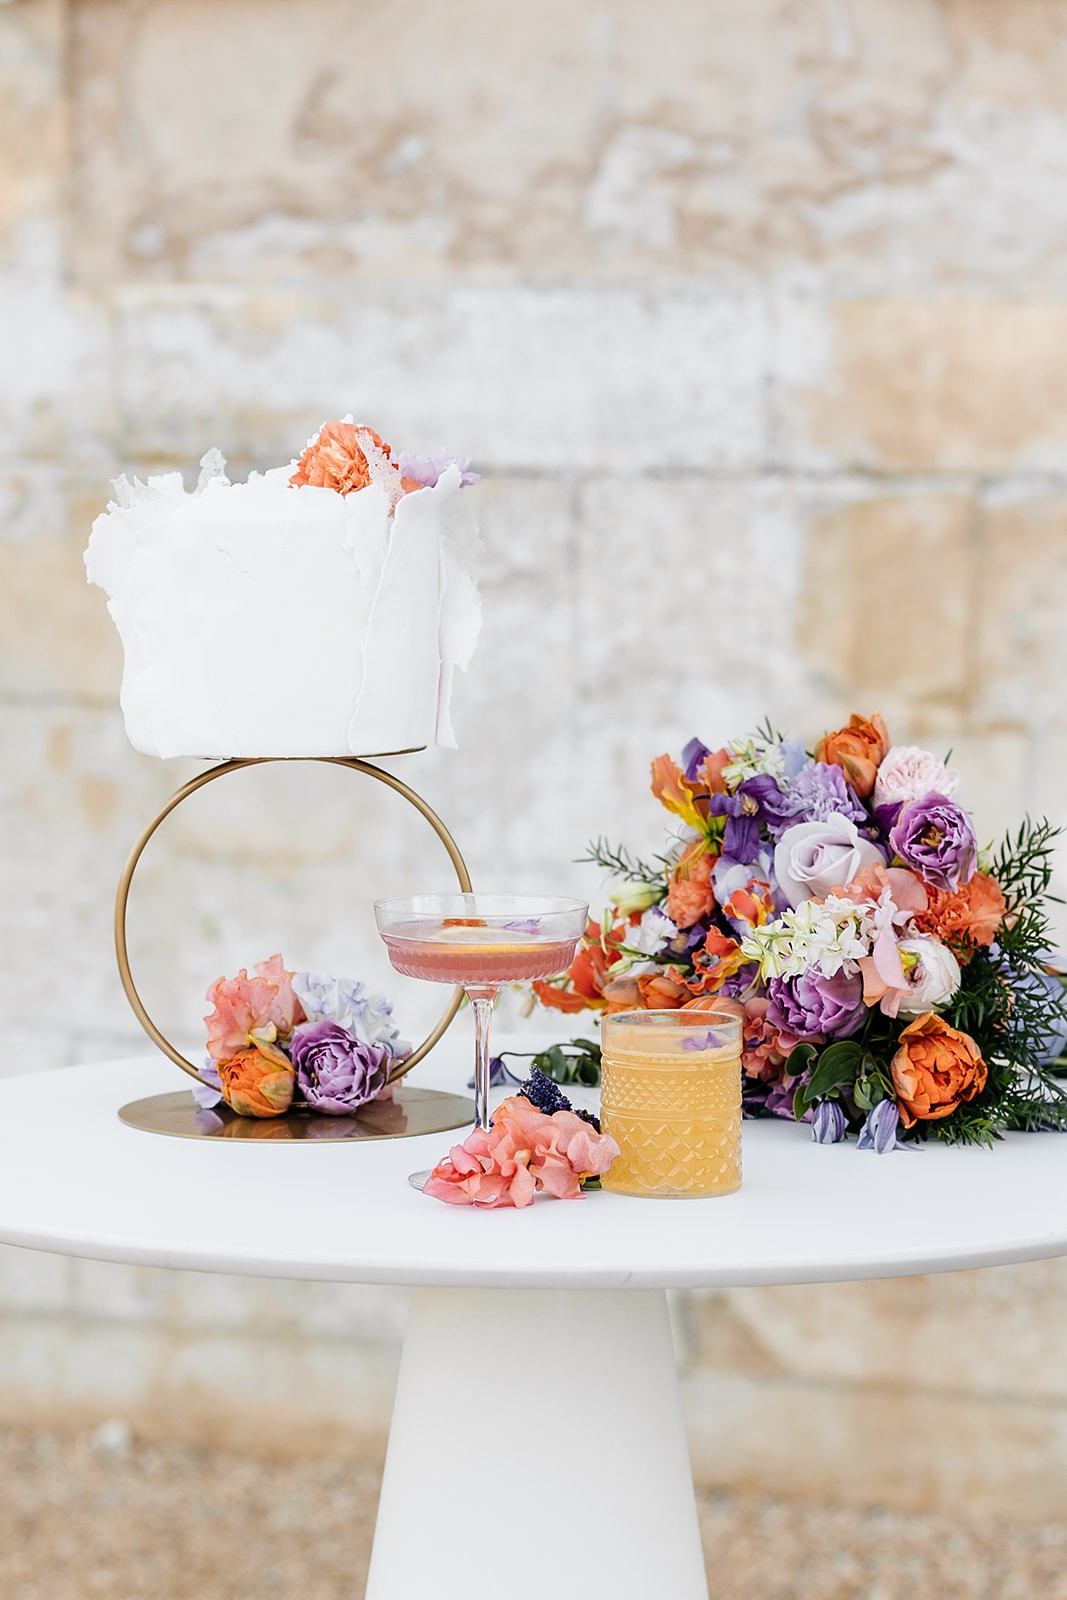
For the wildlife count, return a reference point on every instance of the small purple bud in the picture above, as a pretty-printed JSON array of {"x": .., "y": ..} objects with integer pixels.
[
  {"x": 879, "y": 1132},
  {"x": 829, "y": 1124}
]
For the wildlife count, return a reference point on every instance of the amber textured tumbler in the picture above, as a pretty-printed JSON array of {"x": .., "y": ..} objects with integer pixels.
[{"x": 670, "y": 1094}]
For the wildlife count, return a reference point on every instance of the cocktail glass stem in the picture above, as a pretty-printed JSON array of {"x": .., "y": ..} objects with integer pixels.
[{"x": 481, "y": 999}]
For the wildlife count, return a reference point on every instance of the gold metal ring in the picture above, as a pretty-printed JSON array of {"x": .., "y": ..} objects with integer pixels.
[{"x": 122, "y": 897}]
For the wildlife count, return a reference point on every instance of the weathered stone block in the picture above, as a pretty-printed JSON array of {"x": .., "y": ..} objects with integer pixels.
[
  {"x": 883, "y": 612},
  {"x": 657, "y": 376},
  {"x": 1021, "y": 601},
  {"x": 946, "y": 385}
]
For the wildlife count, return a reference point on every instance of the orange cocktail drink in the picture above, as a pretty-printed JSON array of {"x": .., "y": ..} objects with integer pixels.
[{"x": 670, "y": 1093}]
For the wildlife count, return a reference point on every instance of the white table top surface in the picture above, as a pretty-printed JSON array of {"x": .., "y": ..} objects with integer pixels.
[{"x": 76, "y": 1180}]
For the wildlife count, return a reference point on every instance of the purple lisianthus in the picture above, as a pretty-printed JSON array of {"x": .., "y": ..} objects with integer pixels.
[
  {"x": 935, "y": 838},
  {"x": 426, "y": 470},
  {"x": 879, "y": 1132},
  {"x": 829, "y": 1124},
  {"x": 744, "y": 810},
  {"x": 693, "y": 758},
  {"x": 335, "y": 1071},
  {"x": 815, "y": 1005},
  {"x": 817, "y": 791},
  {"x": 208, "y": 1091}
]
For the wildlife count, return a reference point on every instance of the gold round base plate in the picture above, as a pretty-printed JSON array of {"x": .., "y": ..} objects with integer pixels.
[{"x": 411, "y": 1111}]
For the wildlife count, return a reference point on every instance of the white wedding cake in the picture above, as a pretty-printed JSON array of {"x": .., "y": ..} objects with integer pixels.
[{"x": 320, "y": 609}]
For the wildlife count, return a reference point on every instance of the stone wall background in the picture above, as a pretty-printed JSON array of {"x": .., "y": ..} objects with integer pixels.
[{"x": 754, "y": 319}]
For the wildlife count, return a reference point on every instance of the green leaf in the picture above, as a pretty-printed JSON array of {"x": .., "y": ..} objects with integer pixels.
[
  {"x": 800, "y": 1059},
  {"x": 837, "y": 1065},
  {"x": 861, "y": 1093},
  {"x": 799, "y": 1106}
]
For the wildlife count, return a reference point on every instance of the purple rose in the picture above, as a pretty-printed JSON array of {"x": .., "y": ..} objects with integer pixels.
[
  {"x": 813, "y": 858},
  {"x": 335, "y": 1071},
  {"x": 935, "y": 838},
  {"x": 811, "y": 1004}
]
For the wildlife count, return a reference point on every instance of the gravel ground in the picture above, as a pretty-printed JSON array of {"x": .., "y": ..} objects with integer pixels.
[{"x": 104, "y": 1518}]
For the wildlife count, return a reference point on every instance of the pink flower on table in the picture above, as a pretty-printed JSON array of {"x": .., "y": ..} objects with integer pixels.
[
  {"x": 524, "y": 1153},
  {"x": 252, "y": 1011}
]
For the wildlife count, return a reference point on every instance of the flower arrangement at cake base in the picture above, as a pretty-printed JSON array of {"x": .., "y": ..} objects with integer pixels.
[
  {"x": 893, "y": 979},
  {"x": 537, "y": 1144},
  {"x": 281, "y": 1039}
]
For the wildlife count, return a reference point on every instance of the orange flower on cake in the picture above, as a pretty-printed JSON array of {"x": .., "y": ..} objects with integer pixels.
[
  {"x": 341, "y": 457},
  {"x": 858, "y": 749},
  {"x": 935, "y": 1069}
]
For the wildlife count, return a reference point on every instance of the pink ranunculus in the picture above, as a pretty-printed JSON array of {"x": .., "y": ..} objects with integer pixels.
[
  {"x": 909, "y": 773},
  {"x": 906, "y": 890},
  {"x": 251, "y": 1011},
  {"x": 525, "y": 1152},
  {"x": 765, "y": 1048}
]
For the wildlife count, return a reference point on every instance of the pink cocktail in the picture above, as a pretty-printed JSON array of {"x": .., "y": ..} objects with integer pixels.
[
  {"x": 480, "y": 941},
  {"x": 475, "y": 955}
]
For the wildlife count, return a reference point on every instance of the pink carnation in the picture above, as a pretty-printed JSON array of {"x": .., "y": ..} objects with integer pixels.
[
  {"x": 524, "y": 1153},
  {"x": 251, "y": 1011}
]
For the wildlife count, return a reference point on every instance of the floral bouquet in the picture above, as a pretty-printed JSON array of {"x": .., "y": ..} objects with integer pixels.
[
  {"x": 281, "y": 1035},
  {"x": 893, "y": 979}
]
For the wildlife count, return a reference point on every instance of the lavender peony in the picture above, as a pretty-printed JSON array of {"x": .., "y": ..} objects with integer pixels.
[
  {"x": 337, "y": 1073},
  {"x": 812, "y": 1005},
  {"x": 816, "y": 792},
  {"x": 935, "y": 838}
]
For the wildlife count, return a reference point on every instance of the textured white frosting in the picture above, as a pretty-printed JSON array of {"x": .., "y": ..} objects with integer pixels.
[{"x": 259, "y": 619}]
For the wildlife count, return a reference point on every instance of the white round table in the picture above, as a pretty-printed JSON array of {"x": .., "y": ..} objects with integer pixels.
[{"x": 538, "y": 1482}]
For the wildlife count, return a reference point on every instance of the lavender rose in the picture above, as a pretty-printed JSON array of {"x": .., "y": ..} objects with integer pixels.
[
  {"x": 335, "y": 1071},
  {"x": 935, "y": 838},
  {"x": 810, "y": 1005},
  {"x": 811, "y": 858}
]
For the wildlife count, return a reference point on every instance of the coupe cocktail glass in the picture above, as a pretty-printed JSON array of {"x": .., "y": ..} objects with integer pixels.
[{"x": 481, "y": 941}]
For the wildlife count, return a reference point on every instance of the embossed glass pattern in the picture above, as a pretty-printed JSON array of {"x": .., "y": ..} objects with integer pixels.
[{"x": 670, "y": 1093}]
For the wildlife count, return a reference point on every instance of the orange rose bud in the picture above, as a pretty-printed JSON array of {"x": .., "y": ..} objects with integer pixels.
[
  {"x": 335, "y": 458},
  {"x": 254, "y": 1086},
  {"x": 858, "y": 749},
  {"x": 661, "y": 991},
  {"x": 936, "y": 1068}
]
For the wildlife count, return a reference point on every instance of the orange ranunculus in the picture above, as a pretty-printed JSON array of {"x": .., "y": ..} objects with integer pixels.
[
  {"x": 935, "y": 1069},
  {"x": 255, "y": 1085},
  {"x": 690, "y": 897},
  {"x": 335, "y": 459},
  {"x": 973, "y": 912},
  {"x": 661, "y": 991},
  {"x": 859, "y": 749}
]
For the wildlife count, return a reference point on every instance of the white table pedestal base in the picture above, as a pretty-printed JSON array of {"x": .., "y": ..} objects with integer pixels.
[{"x": 537, "y": 1449}]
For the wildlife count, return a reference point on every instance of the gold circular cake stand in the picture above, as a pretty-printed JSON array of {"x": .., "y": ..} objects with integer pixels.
[{"x": 408, "y": 1112}]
